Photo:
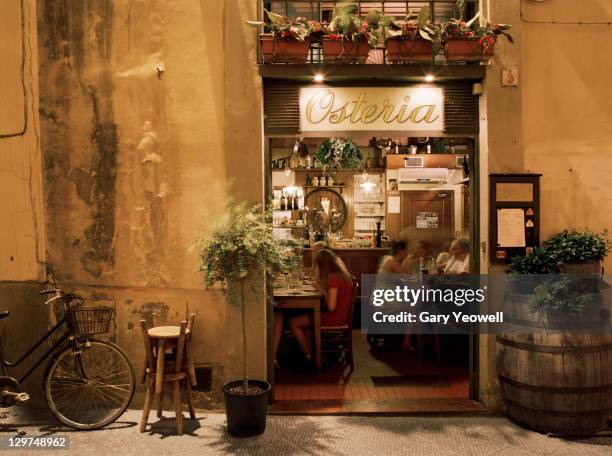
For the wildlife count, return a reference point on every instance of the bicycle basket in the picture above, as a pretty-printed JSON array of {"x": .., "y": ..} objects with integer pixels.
[{"x": 92, "y": 320}]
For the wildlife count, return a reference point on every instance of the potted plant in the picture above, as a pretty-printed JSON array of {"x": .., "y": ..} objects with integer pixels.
[
  {"x": 414, "y": 40},
  {"x": 235, "y": 253},
  {"x": 521, "y": 268},
  {"x": 578, "y": 252},
  {"x": 337, "y": 153},
  {"x": 285, "y": 40},
  {"x": 467, "y": 41},
  {"x": 347, "y": 37}
]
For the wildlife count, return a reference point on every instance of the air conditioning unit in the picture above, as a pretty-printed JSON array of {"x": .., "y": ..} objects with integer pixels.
[
  {"x": 413, "y": 162},
  {"x": 422, "y": 175}
]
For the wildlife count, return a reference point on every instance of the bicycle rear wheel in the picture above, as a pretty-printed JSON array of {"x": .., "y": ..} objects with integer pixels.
[{"x": 90, "y": 388}]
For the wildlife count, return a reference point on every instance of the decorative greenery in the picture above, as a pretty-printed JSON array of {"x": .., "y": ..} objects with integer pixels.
[
  {"x": 566, "y": 296},
  {"x": 539, "y": 261},
  {"x": 238, "y": 247},
  {"x": 337, "y": 153},
  {"x": 415, "y": 26},
  {"x": 571, "y": 246},
  {"x": 486, "y": 33},
  {"x": 299, "y": 28},
  {"x": 347, "y": 25}
]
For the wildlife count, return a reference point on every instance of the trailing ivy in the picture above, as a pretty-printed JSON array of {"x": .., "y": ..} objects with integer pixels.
[{"x": 337, "y": 153}]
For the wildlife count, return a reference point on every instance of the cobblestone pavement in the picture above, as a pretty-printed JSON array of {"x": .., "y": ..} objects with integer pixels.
[{"x": 301, "y": 435}]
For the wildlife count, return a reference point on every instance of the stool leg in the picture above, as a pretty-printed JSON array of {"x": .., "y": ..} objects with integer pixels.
[
  {"x": 178, "y": 406},
  {"x": 147, "y": 405},
  {"x": 192, "y": 414},
  {"x": 160, "y": 403}
]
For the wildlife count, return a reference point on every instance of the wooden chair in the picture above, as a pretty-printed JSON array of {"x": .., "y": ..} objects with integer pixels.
[
  {"x": 339, "y": 339},
  {"x": 162, "y": 369}
]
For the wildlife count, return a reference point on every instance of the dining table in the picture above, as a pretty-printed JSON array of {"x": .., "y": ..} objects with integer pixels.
[{"x": 306, "y": 297}]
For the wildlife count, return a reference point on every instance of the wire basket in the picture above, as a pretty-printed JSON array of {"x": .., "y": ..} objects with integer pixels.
[{"x": 92, "y": 320}]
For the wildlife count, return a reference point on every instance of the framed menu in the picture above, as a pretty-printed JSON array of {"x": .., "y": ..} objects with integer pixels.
[{"x": 514, "y": 215}]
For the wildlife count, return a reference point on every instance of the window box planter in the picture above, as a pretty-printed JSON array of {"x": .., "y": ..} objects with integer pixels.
[
  {"x": 339, "y": 50},
  {"x": 466, "y": 50},
  {"x": 275, "y": 49},
  {"x": 408, "y": 50}
]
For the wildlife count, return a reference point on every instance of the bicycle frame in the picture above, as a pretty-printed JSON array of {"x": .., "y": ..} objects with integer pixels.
[{"x": 6, "y": 364}]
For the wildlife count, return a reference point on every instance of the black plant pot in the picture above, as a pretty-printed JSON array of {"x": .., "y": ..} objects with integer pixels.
[{"x": 246, "y": 413}]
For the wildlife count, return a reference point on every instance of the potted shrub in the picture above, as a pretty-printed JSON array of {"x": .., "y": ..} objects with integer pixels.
[
  {"x": 414, "y": 40},
  {"x": 467, "y": 41},
  {"x": 347, "y": 37},
  {"x": 285, "y": 40},
  {"x": 578, "y": 252},
  {"x": 521, "y": 268},
  {"x": 236, "y": 251}
]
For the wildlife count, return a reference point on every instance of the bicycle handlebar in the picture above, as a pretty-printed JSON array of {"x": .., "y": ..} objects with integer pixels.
[{"x": 51, "y": 290}]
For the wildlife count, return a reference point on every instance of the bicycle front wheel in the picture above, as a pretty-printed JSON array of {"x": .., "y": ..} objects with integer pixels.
[{"x": 90, "y": 387}]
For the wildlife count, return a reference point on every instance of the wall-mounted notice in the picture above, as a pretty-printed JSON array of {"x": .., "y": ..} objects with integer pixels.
[
  {"x": 427, "y": 220},
  {"x": 371, "y": 108},
  {"x": 511, "y": 228},
  {"x": 394, "y": 204}
]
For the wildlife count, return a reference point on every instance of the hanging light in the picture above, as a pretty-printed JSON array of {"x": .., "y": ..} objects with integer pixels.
[{"x": 366, "y": 183}]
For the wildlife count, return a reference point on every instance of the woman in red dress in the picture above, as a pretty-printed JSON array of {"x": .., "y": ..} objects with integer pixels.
[{"x": 336, "y": 283}]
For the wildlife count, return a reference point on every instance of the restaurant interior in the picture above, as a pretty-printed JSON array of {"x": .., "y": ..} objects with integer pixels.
[{"x": 411, "y": 189}]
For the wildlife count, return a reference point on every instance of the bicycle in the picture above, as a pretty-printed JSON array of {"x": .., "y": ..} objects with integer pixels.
[{"x": 88, "y": 383}]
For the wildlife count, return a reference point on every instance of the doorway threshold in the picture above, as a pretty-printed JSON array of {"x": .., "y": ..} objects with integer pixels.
[{"x": 402, "y": 407}]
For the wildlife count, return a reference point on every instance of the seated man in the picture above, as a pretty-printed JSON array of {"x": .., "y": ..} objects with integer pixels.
[{"x": 459, "y": 262}]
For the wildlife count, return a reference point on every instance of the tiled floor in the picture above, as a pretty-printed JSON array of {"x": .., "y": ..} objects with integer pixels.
[
  {"x": 306, "y": 435},
  {"x": 378, "y": 376}
]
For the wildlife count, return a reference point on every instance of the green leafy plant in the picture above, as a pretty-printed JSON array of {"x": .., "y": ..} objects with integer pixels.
[
  {"x": 571, "y": 246},
  {"x": 539, "y": 261},
  {"x": 239, "y": 246},
  {"x": 337, "y": 153},
  {"x": 486, "y": 34},
  {"x": 347, "y": 25},
  {"x": 414, "y": 27},
  {"x": 299, "y": 28},
  {"x": 566, "y": 296}
]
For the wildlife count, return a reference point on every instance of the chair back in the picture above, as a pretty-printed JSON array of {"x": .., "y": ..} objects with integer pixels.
[{"x": 355, "y": 295}]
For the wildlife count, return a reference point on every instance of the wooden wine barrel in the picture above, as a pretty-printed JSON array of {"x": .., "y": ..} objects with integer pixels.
[{"x": 554, "y": 382}]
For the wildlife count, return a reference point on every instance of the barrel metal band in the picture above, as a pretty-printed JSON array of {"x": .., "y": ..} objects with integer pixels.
[
  {"x": 557, "y": 389},
  {"x": 554, "y": 349},
  {"x": 583, "y": 413}
]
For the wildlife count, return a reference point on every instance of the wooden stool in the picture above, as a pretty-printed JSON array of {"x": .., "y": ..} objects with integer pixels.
[{"x": 160, "y": 369}]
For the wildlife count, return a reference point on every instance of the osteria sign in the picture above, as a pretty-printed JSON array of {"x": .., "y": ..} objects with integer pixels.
[{"x": 371, "y": 108}]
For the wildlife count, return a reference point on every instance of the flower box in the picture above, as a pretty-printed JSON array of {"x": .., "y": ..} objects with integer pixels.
[
  {"x": 466, "y": 50},
  {"x": 400, "y": 49},
  {"x": 275, "y": 49},
  {"x": 336, "y": 49}
]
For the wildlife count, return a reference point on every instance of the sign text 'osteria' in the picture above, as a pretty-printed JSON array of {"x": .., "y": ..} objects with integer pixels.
[{"x": 371, "y": 108}]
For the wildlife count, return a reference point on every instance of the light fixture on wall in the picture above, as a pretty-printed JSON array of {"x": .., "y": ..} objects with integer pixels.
[
  {"x": 430, "y": 78},
  {"x": 318, "y": 77},
  {"x": 366, "y": 183}
]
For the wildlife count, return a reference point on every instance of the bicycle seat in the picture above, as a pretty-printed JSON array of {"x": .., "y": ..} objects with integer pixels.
[{"x": 4, "y": 314}]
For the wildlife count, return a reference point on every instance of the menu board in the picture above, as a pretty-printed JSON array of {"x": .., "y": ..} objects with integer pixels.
[{"x": 511, "y": 228}]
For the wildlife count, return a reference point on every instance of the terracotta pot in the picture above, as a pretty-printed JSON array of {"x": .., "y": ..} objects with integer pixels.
[
  {"x": 338, "y": 50},
  {"x": 464, "y": 50},
  {"x": 275, "y": 49},
  {"x": 408, "y": 50}
]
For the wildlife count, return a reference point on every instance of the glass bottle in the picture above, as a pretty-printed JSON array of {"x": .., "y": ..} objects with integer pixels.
[{"x": 283, "y": 203}]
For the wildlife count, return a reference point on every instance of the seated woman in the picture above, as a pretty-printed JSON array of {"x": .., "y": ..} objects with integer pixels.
[
  {"x": 392, "y": 263},
  {"x": 422, "y": 251},
  {"x": 336, "y": 283}
]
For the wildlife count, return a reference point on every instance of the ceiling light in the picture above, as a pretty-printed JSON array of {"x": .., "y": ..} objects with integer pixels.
[
  {"x": 319, "y": 77},
  {"x": 430, "y": 78}
]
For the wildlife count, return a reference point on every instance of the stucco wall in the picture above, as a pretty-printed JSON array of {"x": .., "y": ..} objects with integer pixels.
[
  {"x": 22, "y": 252},
  {"x": 134, "y": 134},
  {"x": 567, "y": 113}
]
